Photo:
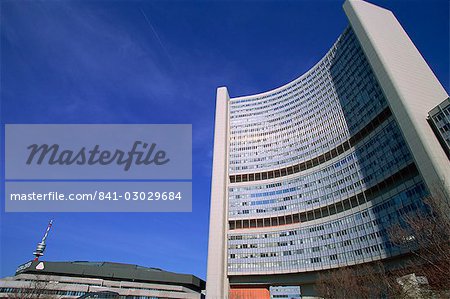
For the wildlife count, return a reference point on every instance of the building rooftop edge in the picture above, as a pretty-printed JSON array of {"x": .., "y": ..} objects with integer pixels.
[{"x": 109, "y": 270}]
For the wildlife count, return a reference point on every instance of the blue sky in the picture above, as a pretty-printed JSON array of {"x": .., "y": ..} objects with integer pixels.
[{"x": 161, "y": 62}]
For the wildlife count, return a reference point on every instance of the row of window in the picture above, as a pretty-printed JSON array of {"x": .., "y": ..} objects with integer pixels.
[
  {"x": 39, "y": 293},
  {"x": 346, "y": 97},
  {"x": 332, "y": 209},
  {"x": 354, "y": 238},
  {"x": 365, "y": 167},
  {"x": 331, "y": 154}
]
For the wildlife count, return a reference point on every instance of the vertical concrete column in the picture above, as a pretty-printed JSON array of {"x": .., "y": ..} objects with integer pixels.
[
  {"x": 216, "y": 277},
  {"x": 408, "y": 83}
]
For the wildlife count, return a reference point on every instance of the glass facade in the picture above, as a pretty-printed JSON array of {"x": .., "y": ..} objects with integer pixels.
[{"x": 318, "y": 170}]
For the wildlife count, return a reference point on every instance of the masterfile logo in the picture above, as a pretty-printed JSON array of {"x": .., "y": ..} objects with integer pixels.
[
  {"x": 98, "y": 151},
  {"x": 53, "y": 155}
]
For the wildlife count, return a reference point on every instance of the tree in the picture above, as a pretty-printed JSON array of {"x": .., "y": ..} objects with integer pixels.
[
  {"x": 424, "y": 234},
  {"x": 35, "y": 289},
  {"x": 358, "y": 282}
]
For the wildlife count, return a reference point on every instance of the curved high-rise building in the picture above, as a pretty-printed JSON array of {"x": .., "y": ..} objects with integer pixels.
[{"x": 311, "y": 175}]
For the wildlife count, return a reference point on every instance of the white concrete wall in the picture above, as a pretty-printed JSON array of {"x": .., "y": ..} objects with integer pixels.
[{"x": 216, "y": 277}]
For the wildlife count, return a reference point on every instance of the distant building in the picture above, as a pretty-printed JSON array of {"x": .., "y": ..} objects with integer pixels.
[
  {"x": 439, "y": 119},
  {"x": 41, "y": 279},
  {"x": 311, "y": 176}
]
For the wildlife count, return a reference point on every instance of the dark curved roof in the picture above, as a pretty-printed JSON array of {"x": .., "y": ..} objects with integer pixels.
[{"x": 112, "y": 271}]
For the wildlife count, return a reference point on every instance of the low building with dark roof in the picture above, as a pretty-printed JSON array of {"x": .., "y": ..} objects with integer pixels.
[{"x": 41, "y": 279}]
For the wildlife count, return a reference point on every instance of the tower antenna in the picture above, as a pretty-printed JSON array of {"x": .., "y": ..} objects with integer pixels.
[{"x": 41, "y": 245}]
